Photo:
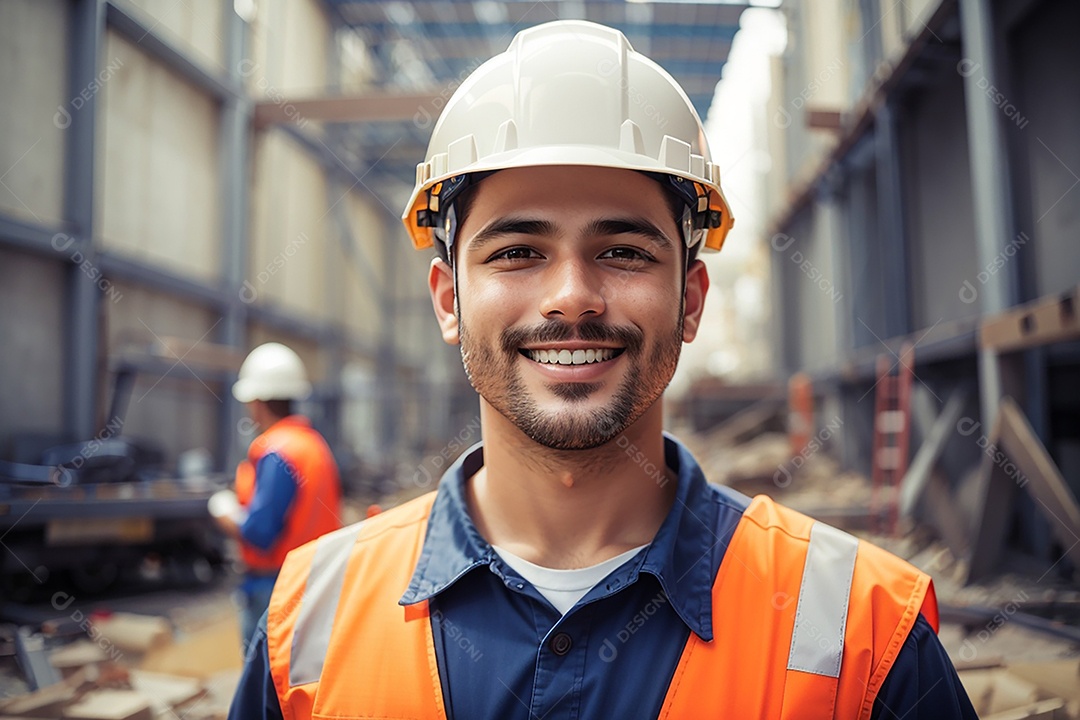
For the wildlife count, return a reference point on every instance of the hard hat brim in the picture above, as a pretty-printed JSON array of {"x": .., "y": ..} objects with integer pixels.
[
  {"x": 569, "y": 155},
  {"x": 247, "y": 391}
]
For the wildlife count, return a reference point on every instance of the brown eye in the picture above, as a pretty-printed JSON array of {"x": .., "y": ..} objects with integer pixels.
[
  {"x": 627, "y": 254},
  {"x": 515, "y": 253}
]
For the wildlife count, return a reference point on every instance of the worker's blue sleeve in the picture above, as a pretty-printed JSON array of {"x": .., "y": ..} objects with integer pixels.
[
  {"x": 923, "y": 684},
  {"x": 275, "y": 488},
  {"x": 256, "y": 698}
]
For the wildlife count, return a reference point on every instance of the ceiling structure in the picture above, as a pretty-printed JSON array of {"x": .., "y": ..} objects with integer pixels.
[{"x": 428, "y": 47}]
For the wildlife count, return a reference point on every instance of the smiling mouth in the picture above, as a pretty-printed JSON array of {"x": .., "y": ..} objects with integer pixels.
[{"x": 556, "y": 356}]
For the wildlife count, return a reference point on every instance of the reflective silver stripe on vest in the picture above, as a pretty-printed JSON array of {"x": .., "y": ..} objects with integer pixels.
[
  {"x": 311, "y": 635},
  {"x": 817, "y": 641}
]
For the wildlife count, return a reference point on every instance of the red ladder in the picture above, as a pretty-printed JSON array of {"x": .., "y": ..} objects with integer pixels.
[{"x": 892, "y": 436}]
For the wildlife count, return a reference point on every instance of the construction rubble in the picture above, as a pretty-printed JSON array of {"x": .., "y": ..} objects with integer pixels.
[
  {"x": 1013, "y": 637},
  {"x": 125, "y": 666}
]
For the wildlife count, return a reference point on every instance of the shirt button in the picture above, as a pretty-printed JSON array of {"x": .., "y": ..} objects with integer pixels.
[{"x": 561, "y": 643}]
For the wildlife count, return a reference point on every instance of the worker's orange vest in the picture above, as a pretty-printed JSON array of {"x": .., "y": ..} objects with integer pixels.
[
  {"x": 789, "y": 644},
  {"x": 315, "y": 507}
]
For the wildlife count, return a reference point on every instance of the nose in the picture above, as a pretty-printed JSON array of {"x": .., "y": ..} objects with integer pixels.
[{"x": 572, "y": 290}]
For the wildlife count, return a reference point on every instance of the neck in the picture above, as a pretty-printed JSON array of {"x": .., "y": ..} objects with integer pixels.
[{"x": 571, "y": 508}]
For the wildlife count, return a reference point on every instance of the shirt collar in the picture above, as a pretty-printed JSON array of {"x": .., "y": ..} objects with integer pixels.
[{"x": 682, "y": 556}]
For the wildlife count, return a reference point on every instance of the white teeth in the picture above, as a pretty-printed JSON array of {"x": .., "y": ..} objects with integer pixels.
[{"x": 571, "y": 357}]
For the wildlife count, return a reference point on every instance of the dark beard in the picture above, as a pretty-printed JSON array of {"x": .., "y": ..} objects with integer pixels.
[{"x": 644, "y": 383}]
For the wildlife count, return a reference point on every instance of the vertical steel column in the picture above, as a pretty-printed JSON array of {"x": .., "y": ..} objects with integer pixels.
[
  {"x": 83, "y": 299},
  {"x": 334, "y": 401},
  {"x": 386, "y": 354},
  {"x": 892, "y": 234},
  {"x": 829, "y": 198},
  {"x": 233, "y": 147},
  {"x": 990, "y": 184}
]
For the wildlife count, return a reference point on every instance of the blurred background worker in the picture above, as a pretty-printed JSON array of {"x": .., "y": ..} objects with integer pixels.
[{"x": 287, "y": 490}]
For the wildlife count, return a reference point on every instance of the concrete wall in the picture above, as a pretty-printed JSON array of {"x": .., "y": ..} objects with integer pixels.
[
  {"x": 290, "y": 227},
  {"x": 33, "y": 68},
  {"x": 937, "y": 195},
  {"x": 31, "y": 325},
  {"x": 1045, "y": 125},
  {"x": 157, "y": 165}
]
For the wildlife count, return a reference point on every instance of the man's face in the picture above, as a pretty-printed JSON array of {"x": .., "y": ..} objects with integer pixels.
[{"x": 570, "y": 314}]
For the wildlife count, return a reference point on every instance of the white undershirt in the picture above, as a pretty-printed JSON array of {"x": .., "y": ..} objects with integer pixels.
[{"x": 563, "y": 588}]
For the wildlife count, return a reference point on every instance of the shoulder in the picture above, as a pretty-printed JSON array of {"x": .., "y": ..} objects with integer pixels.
[{"x": 407, "y": 515}]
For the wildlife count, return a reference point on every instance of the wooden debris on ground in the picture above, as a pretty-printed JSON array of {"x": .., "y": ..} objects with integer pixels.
[
  {"x": 133, "y": 668},
  {"x": 1025, "y": 691}
]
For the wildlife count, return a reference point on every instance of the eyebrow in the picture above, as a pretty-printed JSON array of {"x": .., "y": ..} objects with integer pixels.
[
  {"x": 630, "y": 226},
  {"x": 511, "y": 226},
  {"x": 602, "y": 226}
]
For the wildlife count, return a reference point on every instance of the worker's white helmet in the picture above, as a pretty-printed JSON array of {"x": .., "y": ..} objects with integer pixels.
[
  {"x": 272, "y": 372},
  {"x": 568, "y": 92}
]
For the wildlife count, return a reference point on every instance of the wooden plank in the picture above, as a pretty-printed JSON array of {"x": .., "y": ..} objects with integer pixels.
[
  {"x": 1041, "y": 478},
  {"x": 1043, "y": 710},
  {"x": 134, "y": 633},
  {"x": 992, "y": 518},
  {"x": 110, "y": 705},
  {"x": 1055, "y": 318},
  {"x": 77, "y": 654},
  {"x": 166, "y": 691},
  {"x": 1059, "y": 677},
  {"x": 945, "y": 516}
]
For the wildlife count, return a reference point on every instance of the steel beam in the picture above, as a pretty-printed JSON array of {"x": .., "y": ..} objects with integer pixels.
[
  {"x": 21, "y": 235},
  {"x": 991, "y": 194},
  {"x": 891, "y": 226},
  {"x": 135, "y": 272},
  {"x": 83, "y": 296},
  {"x": 233, "y": 168},
  {"x": 369, "y": 107},
  {"x": 126, "y": 21}
]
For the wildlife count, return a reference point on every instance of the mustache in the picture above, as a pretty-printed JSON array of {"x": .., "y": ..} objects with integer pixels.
[{"x": 626, "y": 336}]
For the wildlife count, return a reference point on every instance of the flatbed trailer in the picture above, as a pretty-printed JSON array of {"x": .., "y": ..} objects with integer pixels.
[{"x": 52, "y": 525}]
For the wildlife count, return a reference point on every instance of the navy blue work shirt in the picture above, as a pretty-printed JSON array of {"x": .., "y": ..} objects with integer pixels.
[
  {"x": 275, "y": 488},
  {"x": 504, "y": 652}
]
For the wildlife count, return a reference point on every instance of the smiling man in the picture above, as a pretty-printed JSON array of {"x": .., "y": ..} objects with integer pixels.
[{"x": 577, "y": 564}]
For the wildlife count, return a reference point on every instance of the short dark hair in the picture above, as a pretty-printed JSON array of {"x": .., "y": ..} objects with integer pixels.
[{"x": 280, "y": 408}]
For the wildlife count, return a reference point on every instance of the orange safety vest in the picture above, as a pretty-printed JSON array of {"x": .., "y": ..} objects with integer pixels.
[
  {"x": 315, "y": 507},
  {"x": 821, "y": 618}
]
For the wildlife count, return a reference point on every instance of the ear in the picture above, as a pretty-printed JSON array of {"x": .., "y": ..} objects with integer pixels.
[
  {"x": 697, "y": 285},
  {"x": 441, "y": 285}
]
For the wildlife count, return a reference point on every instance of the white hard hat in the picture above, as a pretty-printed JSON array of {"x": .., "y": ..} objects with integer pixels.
[
  {"x": 568, "y": 92},
  {"x": 272, "y": 372}
]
